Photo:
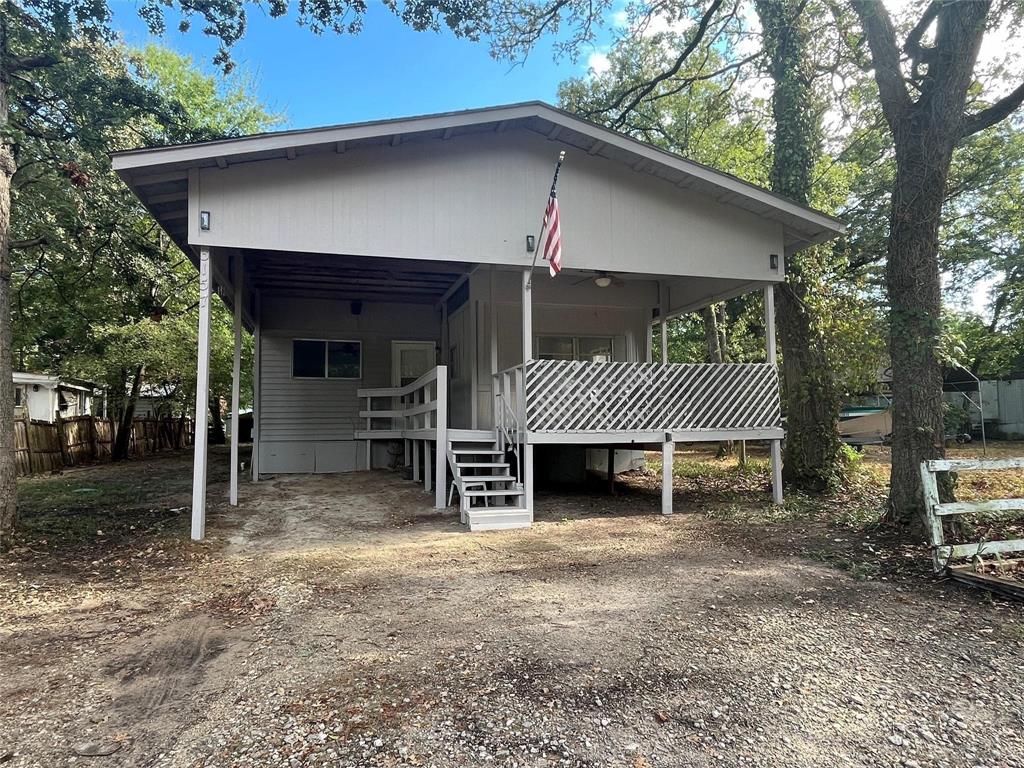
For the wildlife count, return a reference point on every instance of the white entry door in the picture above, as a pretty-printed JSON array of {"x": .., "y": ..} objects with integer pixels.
[{"x": 410, "y": 360}]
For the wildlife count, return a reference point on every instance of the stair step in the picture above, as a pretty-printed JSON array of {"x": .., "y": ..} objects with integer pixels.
[
  {"x": 480, "y": 464},
  {"x": 495, "y": 492},
  {"x": 498, "y": 518},
  {"x": 470, "y": 479},
  {"x": 477, "y": 452},
  {"x": 471, "y": 435}
]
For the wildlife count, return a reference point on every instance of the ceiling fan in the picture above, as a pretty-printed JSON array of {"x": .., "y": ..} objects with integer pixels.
[{"x": 602, "y": 279}]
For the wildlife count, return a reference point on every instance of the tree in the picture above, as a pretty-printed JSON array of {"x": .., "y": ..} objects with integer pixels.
[
  {"x": 814, "y": 455},
  {"x": 40, "y": 40},
  {"x": 925, "y": 103},
  {"x": 700, "y": 59}
]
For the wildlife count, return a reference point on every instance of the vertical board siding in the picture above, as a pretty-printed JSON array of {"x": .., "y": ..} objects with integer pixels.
[{"x": 474, "y": 199}]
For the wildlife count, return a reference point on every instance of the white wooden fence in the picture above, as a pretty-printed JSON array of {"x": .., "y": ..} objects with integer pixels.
[
  {"x": 585, "y": 397},
  {"x": 935, "y": 510}
]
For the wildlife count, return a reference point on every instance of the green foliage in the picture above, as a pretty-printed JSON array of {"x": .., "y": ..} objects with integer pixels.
[
  {"x": 211, "y": 107},
  {"x": 93, "y": 270},
  {"x": 707, "y": 122}
]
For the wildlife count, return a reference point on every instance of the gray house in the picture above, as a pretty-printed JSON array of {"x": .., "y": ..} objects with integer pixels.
[{"x": 385, "y": 270}]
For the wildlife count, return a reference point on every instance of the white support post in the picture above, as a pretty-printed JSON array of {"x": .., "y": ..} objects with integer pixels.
[
  {"x": 492, "y": 322},
  {"x": 416, "y": 460},
  {"x": 202, "y": 400},
  {"x": 256, "y": 352},
  {"x": 771, "y": 351},
  {"x": 441, "y": 445},
  {"x": 662, "y": 313},
  {"x": 236, "y": 378},
  {"x": 668, "y": 452},
  {"x": 474, "y": 373},
  {"x": 428, "y": 472},
  {"x": 527, "y": 477}
]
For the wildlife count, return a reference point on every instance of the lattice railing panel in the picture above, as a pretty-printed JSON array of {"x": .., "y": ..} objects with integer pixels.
[{"x": 575, "y": 396}]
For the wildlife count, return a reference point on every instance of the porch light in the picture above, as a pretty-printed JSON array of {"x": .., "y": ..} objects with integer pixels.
[
  {"x": 602, "y": 281},
  {"x": 773, "y": 261},
  {"x": 531, "y": 243}
]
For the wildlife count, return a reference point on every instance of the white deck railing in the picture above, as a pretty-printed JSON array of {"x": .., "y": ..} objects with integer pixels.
[
  {"x": 645, "y": 399},
  {"x": 509, "y": 416},
  {"x": 413, "y": 413}
]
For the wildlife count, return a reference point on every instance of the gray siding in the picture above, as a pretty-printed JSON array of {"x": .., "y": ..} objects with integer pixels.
[
  {"x": 308, "y": 425},
  {"x": 474, "y": 199}
]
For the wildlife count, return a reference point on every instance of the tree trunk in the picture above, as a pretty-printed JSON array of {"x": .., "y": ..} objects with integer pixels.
[
  {"x": 915, "y": 314},
  {"x": 124, "y": 431},
  {"x": 813, "y": 458},
  {"x": 925, "y": 111},
  {"x": 712, "y": 335},
  {"x": 714, "y": 339},
  {"x": 8, "y": 488},
  {"x": 217, "y": 436}
]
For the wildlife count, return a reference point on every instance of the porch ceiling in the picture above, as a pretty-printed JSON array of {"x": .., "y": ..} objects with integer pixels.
[{"x": 354, "y": 278}]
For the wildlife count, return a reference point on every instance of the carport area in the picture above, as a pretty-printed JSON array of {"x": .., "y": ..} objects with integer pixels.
[{"x": 340, "y": 620}]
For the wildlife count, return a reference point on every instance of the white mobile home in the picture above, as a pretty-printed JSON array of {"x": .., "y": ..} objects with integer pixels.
[
  {"x": 385, "y": 270},
  {"x": 42, "y": 397}
]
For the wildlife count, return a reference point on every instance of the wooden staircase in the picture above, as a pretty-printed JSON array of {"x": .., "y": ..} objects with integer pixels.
[{"x": 490, "y": 496}]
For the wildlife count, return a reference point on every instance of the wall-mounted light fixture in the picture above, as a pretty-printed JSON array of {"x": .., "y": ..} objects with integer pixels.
[
  {"x": 602, "y": 281},
  {"x": 204, "y": 220},
  {"x": 531, "y": 243},
  {"x": 773, "y": 261}
]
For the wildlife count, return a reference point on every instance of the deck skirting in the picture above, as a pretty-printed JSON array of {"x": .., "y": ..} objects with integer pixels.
[{"x": 654, "y": 437}]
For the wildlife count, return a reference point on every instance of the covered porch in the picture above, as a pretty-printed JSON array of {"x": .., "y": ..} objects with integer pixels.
[{"x": 349, "y": 250}]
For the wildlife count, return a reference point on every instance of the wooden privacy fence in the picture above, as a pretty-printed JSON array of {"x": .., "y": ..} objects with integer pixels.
[{"x": 40, "y": 446}]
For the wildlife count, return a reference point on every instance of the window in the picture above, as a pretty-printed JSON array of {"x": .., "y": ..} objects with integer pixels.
[
  {"x": 320, "y": 359},
  {"x": 594, "y": 349},
  {"x": 19, "y": 396}
]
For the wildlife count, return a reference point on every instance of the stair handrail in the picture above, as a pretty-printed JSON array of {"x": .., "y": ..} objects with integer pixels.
[{"x": 507, "y": 423}]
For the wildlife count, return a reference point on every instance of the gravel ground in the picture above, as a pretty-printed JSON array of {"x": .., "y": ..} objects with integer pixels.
[{"x": 339, "y": 620}]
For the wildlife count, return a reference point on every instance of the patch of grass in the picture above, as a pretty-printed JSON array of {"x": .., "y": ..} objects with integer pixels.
[
  {"x": 105, "y": 502},
  {"x": 84, "y": 527},
  {"x": 859, "y": 569},
  {"x": 49, "y": 494}
]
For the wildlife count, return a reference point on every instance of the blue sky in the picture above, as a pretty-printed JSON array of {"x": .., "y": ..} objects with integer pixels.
[{"x": 386, "y": 71}]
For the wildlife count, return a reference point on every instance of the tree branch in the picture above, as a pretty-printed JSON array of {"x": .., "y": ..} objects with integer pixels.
[
  {"x": 629, "y": 99},
  {"x": 885, "y": 55},
  {"x": 16, "y": 64},
  {"x": 912, "y": 46},
  {"x": 30, "y": 242},
  {"x": 1002, "y": 109}
]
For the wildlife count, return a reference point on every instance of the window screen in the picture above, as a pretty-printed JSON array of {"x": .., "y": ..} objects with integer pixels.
[
  {"x": 308, "y": 358},
  {"x": 318, "y": 359},
  {"x": 555, "y": 348},
  {"x": 594, "y": 350},
  {"x": 590, "y": 348},
  {"x": 343, "y": 359}
]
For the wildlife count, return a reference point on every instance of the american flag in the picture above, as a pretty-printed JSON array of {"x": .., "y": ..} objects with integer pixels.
[{"x": 551, "y": 230}]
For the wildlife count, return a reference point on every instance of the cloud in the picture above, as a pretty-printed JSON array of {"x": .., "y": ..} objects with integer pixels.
[{"x": 598, "y": 63}]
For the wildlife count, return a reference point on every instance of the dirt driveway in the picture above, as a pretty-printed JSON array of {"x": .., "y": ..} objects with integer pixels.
[{"x": 339, "y": 620}]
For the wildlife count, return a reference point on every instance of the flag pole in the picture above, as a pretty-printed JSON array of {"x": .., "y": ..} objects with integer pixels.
[{"x": 536, "y": 243}]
